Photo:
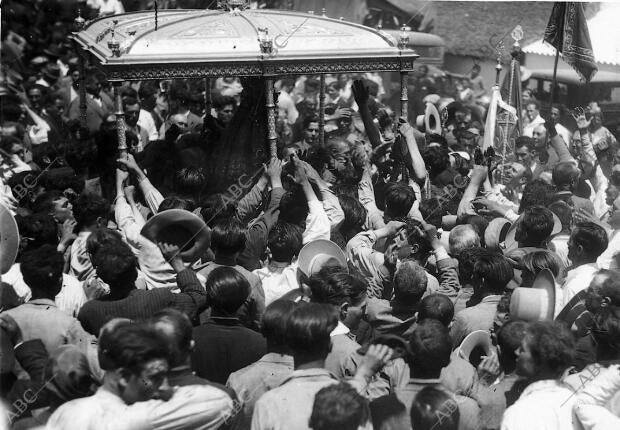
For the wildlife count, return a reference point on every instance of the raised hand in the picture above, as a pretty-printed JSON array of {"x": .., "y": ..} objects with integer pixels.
[{"x": 360, "y": 92}]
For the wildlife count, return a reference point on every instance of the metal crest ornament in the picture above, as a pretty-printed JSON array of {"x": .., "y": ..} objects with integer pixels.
[
  {"x": 265, "y": 40},
  {"x": 517, "y": 35},
  {"x": 79, "y": 23},
  {"x": 403, "y": 39},
  {"x": 113, "y": 44},
  {"x": 233, "y": 5}
]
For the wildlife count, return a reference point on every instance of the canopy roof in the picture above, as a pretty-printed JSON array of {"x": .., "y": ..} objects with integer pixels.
[{"x": 203, "y": 43}]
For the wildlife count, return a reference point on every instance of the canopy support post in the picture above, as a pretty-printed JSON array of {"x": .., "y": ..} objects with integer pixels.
[
  {"x": 322, "y": 110},
  {"x": 208, "y": 103},
  {"x": 120, "y": 121},
  {"x": 82, "y": 94},
  {"x": 272, "y": 136},
  {"x": 404, "y": 94}
]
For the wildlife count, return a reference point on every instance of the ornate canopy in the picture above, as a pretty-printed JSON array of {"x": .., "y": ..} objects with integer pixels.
[{"x": 212, "y": 43}]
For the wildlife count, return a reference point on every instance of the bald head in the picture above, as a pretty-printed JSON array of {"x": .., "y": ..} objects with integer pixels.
[
  {"x": 565, "y": 176},
  {"x": 463, "y": 237},
  {"x": 540, "y": 136}
]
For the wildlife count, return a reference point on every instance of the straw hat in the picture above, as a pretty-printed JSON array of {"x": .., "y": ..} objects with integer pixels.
[
  {"x": 182, "y": 228},
  {"x": 9, "y": 241},
  {"x": 430, "y": 112},
  {"x": 536, "y": 303},
  {"x": 495, "y": 232},
  {"x": 479, "y": 339},
  {"x": 318, "y": 254}
]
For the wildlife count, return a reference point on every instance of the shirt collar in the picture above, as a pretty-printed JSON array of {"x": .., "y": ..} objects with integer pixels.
[
  {"x": 544, "y": 385},
  {"x": 309, "y": 373},
  {"x": 46, "y": 302},
  {"x": 273, "y": 357},
  {"x": 340, "y": 329},
  {"x": 420, "y": 381}
]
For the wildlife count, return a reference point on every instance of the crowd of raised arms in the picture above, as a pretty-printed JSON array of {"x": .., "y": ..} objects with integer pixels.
[{"x": 374, "y": 274}]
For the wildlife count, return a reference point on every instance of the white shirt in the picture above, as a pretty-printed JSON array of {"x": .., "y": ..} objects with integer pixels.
[
  {"x": 563, "y": 132},
  {"x": 69, "y": 300},
  {"x": 528, "y": 129},
  {"x": 277, "y": 283},
  {"x": 146, "y": 122},
  {"x": 192, "y": 406},
  {"x": 578, "y": 279},
  {"x": 606, "y": 259},
  {"x": 544, "y": 405},
  {"x": 317, "y": 223},
  {"x": 286, "y": 103}
]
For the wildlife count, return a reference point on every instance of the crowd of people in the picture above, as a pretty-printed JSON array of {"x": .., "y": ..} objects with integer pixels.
[{"x": 384, "y": 276}]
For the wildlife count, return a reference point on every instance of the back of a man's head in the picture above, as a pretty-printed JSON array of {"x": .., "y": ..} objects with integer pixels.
[
  {"x": 493, "y": 271},
  {"x": 175, "y": 328},
  {"x": 338, "y": 407},
  {"x": 591, "y": 239},
  {"x": 438, "y": 307},
  {"x": 535, "y": 226},
  {"x": 308, "y": 330},
  {"x": 431, "y": 347},
  {"x": 509, "y": 339},
  {"x": 463, "y": 237},
  {"x": 274, "y": 321},
  {"x": 565, "y": 176},
  {"x": 410, "y": 283},
  {"x": 399, "y": 199},
  {"x": 228, "y": 236},
  {"x": 190, "y": 181},
  {"x": 227, "y": 290},
  {"x": 552, "y": 349},
  {"x": 42, "y": 271},
  {"x": 116, "y": 265},
  {"x": 284, "y": 241},
  {"x": 88, "y": 209}
]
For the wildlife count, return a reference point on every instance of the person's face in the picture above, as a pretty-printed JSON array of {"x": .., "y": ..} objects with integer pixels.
[
  {"x": 597, "y": 120},
  {"x": 555, "y": 115},
  {"x": 523, "y": 155},
  {"x": 540, "y": 134},
  {"x": 35, "y": 97},
  {"x": 532, "y": 112},
  {"x": 93, "y": 86},
  {"x": 475, "y": 72},
  {"x": 343, "y": 79},
  {"x": 225, "y": 114},
  {"x": 63, "y": 210},
  {"x": 574, "y": 250},
  {"x": 526, "y": 96},
  {"x": 180, "y": 122},
  {"x": 353, "y": 314},
  {"x": 75, "y": 77},
  {"x": 462, "y": 120},
  {"x": 17, "y": 149},
  {"x": 611, "y": 194},
  {"x": 59, "y": 106},
  {"x": 311, "y": 133},
  {"x": 593, "y": 298},
  {"x": 332, "y": 92},
  {"x": 132, "y": 113},
  {"x": 151, "y": 383},
  {"x": 526, "y": 366}
]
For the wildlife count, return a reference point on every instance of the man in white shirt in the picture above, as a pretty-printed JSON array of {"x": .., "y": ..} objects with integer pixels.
[
  {"x": 534, "y": 118},
  {"x": 556, "y": 115},
  {"x": 545, "y": 353},
  {"x": 587, "y": 242},
  {"x": 135, "y": 393}
]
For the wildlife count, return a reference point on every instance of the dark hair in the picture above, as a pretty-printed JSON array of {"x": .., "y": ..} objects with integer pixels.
[
  {"x": 564, "y": 174},
  {"x": 131, "y": 346},
  {"x": 308, "y": 119},
  {"x": 294, "y": 207},
  {"x": 88, "y": 208},
  {"x": 536, "y": 224},
  {"x": 337, "y": 288},
  {"x": 526, "y": 141},
  {"x": 274, "y": 320},
  {"x": 385, "y": 408},
  {"x": 552, "y": 346},
  {"x": 399, "y": 199},
  {"x": 432, "y": 210},
  {"x": 564, "y": 212},
  {"x": 354, "y": 215},
  {"x": 437, "y": 159},
  {"x": 592, "y": 237},
  {"x": 494, "y": 269},
  {"x": 431, "y": 347},
  {"x": 438, "y": 307},
  {"x": 37, "y": 230},
  {"x": 220, "y": 101},
  {"x": 100, "y": 237},
  {"x": 308, "y": 330},
  {"x": 176, "y": 202},
  {"x": 284, "y": 241},
  {"x": 228, "y": 236},
  {"x": 115, "y": 264},
  {"x": 509, "y": 339},
  {"x": 536, "y": 193},
  {"x": 130, "y": 101},
  {"x": 45, "y": 202},
  {"x": 536, "y": 261},
  {"x": 338, "y": 407},
  {"x": 190, "y": 181},
  {"x": 416, "y": 236},
  {"x": 410, "y": 282},
  {"x": 215, "y": 207},
  {"x": 433, "y": 408},
  {"x": 227, "y": 289},
  {"x": 42, "y": 269},
  {"x": 178, "y": 334}
]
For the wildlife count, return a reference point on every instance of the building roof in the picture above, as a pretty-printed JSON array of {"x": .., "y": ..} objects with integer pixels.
[
  {"x": 473, "y": 28},
  {"x": 604, "y": 35}
]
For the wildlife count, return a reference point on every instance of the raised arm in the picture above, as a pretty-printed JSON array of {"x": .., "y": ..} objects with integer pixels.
[
  {"x": 152, "y": 196},
  {"x": 361, "y": 94},
  {"x": 419, "y": 168}
]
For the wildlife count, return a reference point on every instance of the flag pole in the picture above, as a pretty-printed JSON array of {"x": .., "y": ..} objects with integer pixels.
[{"x": 553, "y": 80}]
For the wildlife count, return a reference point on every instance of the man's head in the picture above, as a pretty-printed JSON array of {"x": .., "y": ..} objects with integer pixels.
[
  {"x": 42, "y": 271},
  {"x": 603, "y": 301},
  {"x": 437, "y": 307},
  {"x": 175, "y": 329},
  {"x": 131, "y": 108},
  {"x": 556, "y": 113},
  {"x": 273, "y": 325},
  {"x": 612, "y": 193},
  {"x": 431, "y": 347},
  {"x": 534, "y": 262},
  {"x": 411, "y": 242},
  {"x": 225, "y": 108},
  {"x": 137, "y": 356},
  {"x": 91, "y": 211},
  {"x": 587, "y": 242},
  {"x": 410, "y": 282},
  {"x": 338, "y": 406},
  {"x": 311, "y": 129},
  {"x": 566, "y": 176},
  {"x": 54, "y": 203},
  {"x": 524, "y": 150},
  {"x": 190, "y": 181},
  {"x": 180, "y": 121},
  {"x": 533, "y": 109},
  {"x": 227, "y": 290},
  {"x": 535, "y": 226},
  {"x": 539, "y": 134},
  {"x": 463, "y": 237},
  {"x": 92, "y": 84},
  {"x": 308, "y": 332},
  {"x": 228, "y": 237},
  {"x": 491, "y": 273},
  {"x": 399, "y": 199},
  {"x": 35, "y": 95},
  {"x": 546, "y": 351},
  {"x": 115, "y": 265},
  {"x": 347, "y": 293},
  {"x": 536, "y": 193},
  {"x": 100, "y": 237},
  {"x": 509, "y": 338},
  {"x": 434, "y": 408},
  {"x": 284, "y": 242}
]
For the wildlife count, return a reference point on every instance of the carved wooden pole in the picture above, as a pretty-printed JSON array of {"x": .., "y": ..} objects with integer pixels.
[
  {"x": 208, "y": 102},
  {"x": 404, "y": 94},
  {"x": 272, "y": 136},
  {"x": 322, "y": 110},
  {"x": 120, "y": 120}
]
